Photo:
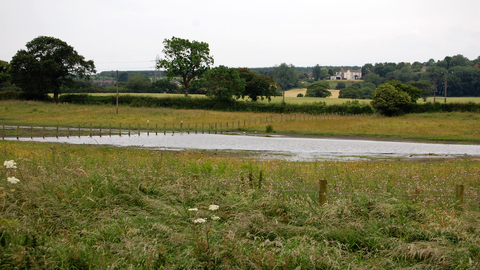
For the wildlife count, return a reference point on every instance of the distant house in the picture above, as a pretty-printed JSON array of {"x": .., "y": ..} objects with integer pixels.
[{"x": 347, "y": 74}]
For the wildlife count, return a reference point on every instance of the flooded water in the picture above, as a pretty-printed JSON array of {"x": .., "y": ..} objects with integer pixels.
[{"x": 278, "y": 146}]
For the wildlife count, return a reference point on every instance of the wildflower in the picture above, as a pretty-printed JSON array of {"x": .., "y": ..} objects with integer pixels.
[
  {"x": 13, "y": 180},
  {"x": 215, "y": 218},
  {"x": 200, "y": 220},
  {"x": 213, "y": 207},
  {"x": 193, "y": 209},
  {"x": 10, "y": 164}
]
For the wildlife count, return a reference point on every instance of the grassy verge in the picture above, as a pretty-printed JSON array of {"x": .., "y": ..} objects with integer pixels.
[
  {"x": 80, "y": 207},
  {"x": 428, "y": 126}
]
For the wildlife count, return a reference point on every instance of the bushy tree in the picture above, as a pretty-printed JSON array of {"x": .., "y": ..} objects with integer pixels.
[
  {"x": 184, "y": 58},
  {"x": 352, "y": 92},
  {"x": 412, "y": 91},
  {"x": 389, "y": 101},
  {"x": 257, "y": 86},
  {"x": 223, "y": 83},
  {"x": 285, "y": 74},
  {"x": 340, "y": 85},
  {"x": 4, "y": 73},
  {"x": 46, "y": 66},
  {"x": 138, "y": 83},
  {"x": 316, "y": 72},
  {"x": 164, "y": 86},
  {"x": 318, "y": 89}
]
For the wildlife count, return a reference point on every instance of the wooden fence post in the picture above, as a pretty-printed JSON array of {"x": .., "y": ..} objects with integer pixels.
[
  {"x": 120, "y": 131},
  {"x": 164, "y": 128},
  {"x": 156, "y": 129},
  {"x": 139, "y": 130},
  {"x": 110, "y": 133},
  {"x": 322, "y": 193},
  {"x": 100, "y": 130},
  {"x": 91, "y": 130},
  {"x": 31, "y": 132},
  {"x": 459, "y": 190},
  {"x": 3, "y": 133},
  {"x": 129, "y": 130},
  {"x": 18, "y": 130}
]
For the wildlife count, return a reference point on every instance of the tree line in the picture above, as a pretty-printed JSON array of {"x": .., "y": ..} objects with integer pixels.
[{"x": 50, "y": 65}]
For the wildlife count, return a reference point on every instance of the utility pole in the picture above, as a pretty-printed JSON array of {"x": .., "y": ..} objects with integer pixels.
[
  {"x": 446, "y": 86},
  {"x": 117, "y": 91},
  {"x": 156, "y": 68}
]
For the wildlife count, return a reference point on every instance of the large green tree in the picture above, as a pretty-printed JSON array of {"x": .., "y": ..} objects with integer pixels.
[
  {"x": 389, "y": 101},
  {"x": 4, "y": 72},
  {"x": 285, "y": 76},
  {"x": 316, "y": 72},
  {"x": 223, "y": 83},
  {"x": 318, "y": 89},
  {"x": 138, "y": 83},
  {"x": 46, "y": 66},
  {"x": 185, "y": 58},
  {"x": 257, "y": 86}
]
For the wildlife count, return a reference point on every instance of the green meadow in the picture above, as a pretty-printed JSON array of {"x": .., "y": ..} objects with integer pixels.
[
  {"x": 98, "y": 207},
  {"x": 95, "y": 207}
]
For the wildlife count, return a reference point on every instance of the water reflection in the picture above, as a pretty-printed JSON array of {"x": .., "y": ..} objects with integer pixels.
[{"x": 285, "y": 147}]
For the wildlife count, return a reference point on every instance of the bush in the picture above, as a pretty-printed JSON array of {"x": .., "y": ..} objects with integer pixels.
[
  {"x": 389, "y": 101},
  {"x": 340, "y": 85},
  {"x": 300, "y": 95},
  {"x": 269, "y": 129},
  {"x": 318, "y": 89},
  {"x": 9, "y": 95}
]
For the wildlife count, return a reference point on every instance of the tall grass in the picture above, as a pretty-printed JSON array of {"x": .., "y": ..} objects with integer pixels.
[
  {"x": 79, "y": 207},
  {"x": 452, "y": 126}
]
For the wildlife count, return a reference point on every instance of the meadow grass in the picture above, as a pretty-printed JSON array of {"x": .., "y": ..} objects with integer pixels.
[
  {"x": 453, "y": 126},
  {"x": 301, "y": 100},
  {"x": 82, "y": 207}
]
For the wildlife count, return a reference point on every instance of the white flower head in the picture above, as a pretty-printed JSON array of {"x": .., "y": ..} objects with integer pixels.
[
  {"x": 213, "y": 207},
  {"x": 10, "y": 164},
  {"x": 13, "y": 180},
  {"x": 193, "y": 209},
  {"x": 215, "y": 218},
  {"x": 200, "y": 220}
]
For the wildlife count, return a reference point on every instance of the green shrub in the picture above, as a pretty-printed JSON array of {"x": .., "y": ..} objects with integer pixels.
[{"x": 300, "y": 95}]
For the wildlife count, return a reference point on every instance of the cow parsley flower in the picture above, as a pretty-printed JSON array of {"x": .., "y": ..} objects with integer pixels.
[
  {"x": 200, "y": 220},
  {"x": 215, "y": 218},
  {"x": 213, "y": 207},
  {"x": 13, "y": 180},
  {"x": 193, "y": 209},
  {"x": 10, "y": 164}
]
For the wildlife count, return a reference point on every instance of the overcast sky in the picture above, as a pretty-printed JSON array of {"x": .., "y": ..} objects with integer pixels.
[{"x": 128, "y": 35}]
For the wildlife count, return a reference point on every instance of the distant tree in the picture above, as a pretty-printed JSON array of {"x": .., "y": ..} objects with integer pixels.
[
  {"x": 373, "y": 78},
  {"x": 184, "y": 58},
  {"x": 138, "y": 84},
  {"x": 316, "y": 72},
  {"x": 164, "y": 86},
  {"x": 340, "y": 85},
  {"x": 257, "y": 86},
  {"x": 223, "y": 83},
  {"x": 390, "y": 102},
  {"x": 285, "y": 73},
  {"x": 351, "y": 92},
  {"x": 459, "y": 60},
  {"x": 367, "y": 69},
  {"x": 412, "y": 91},
  {"x": 123, "y": 76},
  {"x": 435, "y": 75},
  {"x": 424, "y": 87},
  {"x": 48, "y": 65},
  {"x": 4, "y": 73},
  {"x": 330, "y": 72},
  {"x": 318, "y": 89}
]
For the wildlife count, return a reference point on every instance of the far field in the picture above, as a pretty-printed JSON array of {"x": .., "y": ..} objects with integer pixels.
[
  {"x": 429, "y": 126},
  {"x": 291, "y": 97}
]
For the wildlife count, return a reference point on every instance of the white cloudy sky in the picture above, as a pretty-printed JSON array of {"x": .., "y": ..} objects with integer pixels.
[{"x": 128, "y": 35}]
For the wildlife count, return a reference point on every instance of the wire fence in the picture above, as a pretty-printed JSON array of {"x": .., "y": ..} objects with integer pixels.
[
  {"x": 159, "y": 128},
  {"x": 330, "y": 191}
]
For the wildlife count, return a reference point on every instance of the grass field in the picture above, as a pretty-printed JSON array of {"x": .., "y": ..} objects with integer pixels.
[
  {"x": 433, "y": 126},
  {"x": 291, "y": 97},
  {"x": 92, "y": 207}
]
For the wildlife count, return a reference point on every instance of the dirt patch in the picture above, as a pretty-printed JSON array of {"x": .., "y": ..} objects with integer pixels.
[{"x": 303, "y": 91}]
